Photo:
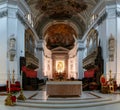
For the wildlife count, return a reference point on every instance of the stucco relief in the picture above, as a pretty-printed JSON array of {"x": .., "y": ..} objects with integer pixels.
[
  {"x": 12, "y": 47},
  {"x": 118, "y": 13},
  {"x": 111, "y": 12},
  {"x": 111, "y": 47}
]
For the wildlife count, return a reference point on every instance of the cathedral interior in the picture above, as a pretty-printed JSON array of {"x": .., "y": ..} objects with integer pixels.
[{"x": 53, "y": 52}]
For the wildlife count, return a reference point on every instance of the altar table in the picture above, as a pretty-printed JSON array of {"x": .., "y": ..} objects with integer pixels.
[{"x": 64, "y": 88}]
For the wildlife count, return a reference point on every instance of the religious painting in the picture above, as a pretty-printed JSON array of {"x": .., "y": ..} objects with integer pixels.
[{"x": 60, "y": 66}]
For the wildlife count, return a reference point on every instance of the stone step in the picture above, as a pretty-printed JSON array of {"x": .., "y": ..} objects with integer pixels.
[
  {"x": 60, "y": 104},
  {"x": 64, "y": 101}
]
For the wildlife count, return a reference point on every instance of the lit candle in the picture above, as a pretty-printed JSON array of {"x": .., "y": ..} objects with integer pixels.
[
  {"x": 21, "y": 78},
  {"x": 9, "y": 81},
  {"x": 109, "y": 66}
]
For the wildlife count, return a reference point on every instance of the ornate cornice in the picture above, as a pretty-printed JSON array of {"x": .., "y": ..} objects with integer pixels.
[
  {"x": 3, "y": 13},
  {"x": 25, "y": 22},
  {"x": 102, "y": 18},
  {"x": 117, "y": 13},
  {"x": 39, "y": 48},
  {"x": 39, "y": 45},
  {"x": 19, "y": 16},
  {"x": 96, "y": 23}
]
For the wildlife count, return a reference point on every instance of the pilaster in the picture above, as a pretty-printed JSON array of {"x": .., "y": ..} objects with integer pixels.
[{"x": 41, "y": 58}]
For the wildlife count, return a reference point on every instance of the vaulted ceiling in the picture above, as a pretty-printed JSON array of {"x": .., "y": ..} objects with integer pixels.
[{"x": 75, "y": 13}]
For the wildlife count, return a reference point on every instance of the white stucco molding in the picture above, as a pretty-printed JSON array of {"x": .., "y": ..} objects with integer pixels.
[
  {"x": 17, "y": 9},
  {"x": 3, "y": 13},
  {"x": 111, "y": 11},
  {"x": 118, "y": 10},
  {"x": 40, "y": 45},
  {"x": 25, "y": 22},
  {"x": 100, "y": 7},
  {"x": 20, "y": 3},
  {"x": 80, "y": 45},
  {"x": 97, "y": 22}
]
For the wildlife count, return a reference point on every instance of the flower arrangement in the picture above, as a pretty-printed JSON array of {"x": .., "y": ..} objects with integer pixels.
[
  {"x": 13, "y": 98},
  {"x": 13, "y": 89}
]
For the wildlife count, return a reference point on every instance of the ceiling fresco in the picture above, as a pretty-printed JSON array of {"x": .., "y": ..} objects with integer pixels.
[
  {"x": 77, "y": 12},
  {"x": 60, "y": 35},
  {"x": 59, "y": 9}
]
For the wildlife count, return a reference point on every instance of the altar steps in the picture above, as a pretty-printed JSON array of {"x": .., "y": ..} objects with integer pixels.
[{"x": 67, "y": 103}]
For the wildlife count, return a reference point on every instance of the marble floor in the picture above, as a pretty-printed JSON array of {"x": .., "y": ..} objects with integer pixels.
[{"x": 89, "y": 100}]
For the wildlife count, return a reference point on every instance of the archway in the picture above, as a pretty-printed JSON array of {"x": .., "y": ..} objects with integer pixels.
[{"x": 59, "y": 40}]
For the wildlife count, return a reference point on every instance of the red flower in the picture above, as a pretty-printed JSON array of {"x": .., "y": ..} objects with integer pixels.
[
  {"x": 13, "y": 98},
  {"x": 14, "y": 89}
]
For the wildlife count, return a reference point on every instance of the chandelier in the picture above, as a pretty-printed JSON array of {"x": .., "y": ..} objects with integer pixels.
[{"x": 57, "y": 8}]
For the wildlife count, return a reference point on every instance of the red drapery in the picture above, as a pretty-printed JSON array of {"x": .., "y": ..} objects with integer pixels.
[
  {"x": 89, "y": 73},
  {"x": 29, "y": 73}
]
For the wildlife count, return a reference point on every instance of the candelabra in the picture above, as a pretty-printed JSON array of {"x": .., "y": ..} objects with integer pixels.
[
  {"x": 111, "y": 85},
  {"x": 21, "y": 96},
  {"x": 110, "y": 77},
  {"x": 8, "y": 100}
]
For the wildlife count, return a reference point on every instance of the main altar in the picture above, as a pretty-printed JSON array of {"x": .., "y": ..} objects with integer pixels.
[
  {"x": 62, "y": 74},
  {"x": 64, "y": 88}
]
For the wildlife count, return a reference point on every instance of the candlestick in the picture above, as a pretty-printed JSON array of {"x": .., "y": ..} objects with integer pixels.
[
  {"x": 9, "y": 80},
  {"x": 110, "y": 65},
  {"x": 21, "y": 79},
  {"x": 21, "y": 96},
  {"x": 13, "y": 77}
]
